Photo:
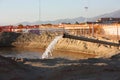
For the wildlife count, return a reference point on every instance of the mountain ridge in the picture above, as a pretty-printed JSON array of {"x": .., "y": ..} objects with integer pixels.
[{"x": 114, "y": 14}]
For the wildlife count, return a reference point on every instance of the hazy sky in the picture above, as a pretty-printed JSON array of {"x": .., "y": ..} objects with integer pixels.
[{"x": 15, "y": 11}]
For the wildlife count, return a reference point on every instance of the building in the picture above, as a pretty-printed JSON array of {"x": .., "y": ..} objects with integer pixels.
[{"x": 108, "y": 20}]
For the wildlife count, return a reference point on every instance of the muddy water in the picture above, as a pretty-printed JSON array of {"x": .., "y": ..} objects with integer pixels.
[
  {"x": 21, "y": 53},
  {"x": 37, "y": 53}
]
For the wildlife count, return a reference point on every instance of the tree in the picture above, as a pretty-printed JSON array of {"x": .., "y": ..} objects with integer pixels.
[
  {"x": 20, "y": 26},
  {"x": 76, "y": 22}
]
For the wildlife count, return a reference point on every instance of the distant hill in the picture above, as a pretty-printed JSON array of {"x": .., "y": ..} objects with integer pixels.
[
  {"x": 115, "y": 14},
  {"x": 79, "y": 19}
]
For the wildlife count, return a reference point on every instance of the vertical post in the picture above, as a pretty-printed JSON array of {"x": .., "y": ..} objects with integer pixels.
[
  {"x": 92, "y": 30},
  {"x": 117, "y": 33},
  {"x": 118, "y": 36}
]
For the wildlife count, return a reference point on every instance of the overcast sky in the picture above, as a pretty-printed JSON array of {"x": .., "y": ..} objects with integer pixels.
[{"x": 15, "y": 11}]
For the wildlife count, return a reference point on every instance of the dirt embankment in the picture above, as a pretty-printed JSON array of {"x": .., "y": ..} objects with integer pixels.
[
  {"x": 29, "y": 40},
  {"x": 61, "y": 69},
  {"x": 25, "y": 40},
  {"x": 87, "y": 47}
]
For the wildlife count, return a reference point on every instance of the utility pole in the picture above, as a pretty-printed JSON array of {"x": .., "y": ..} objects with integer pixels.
[
  {"x": 39, "y": 9},
  {"x": 86, "y": 9}
]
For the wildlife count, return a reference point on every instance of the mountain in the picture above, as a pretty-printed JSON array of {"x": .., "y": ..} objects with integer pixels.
[
  {"x": 24, "y": 23},
  {"x": 79, "y": 19},
  {"x": 115, "y": 14}
]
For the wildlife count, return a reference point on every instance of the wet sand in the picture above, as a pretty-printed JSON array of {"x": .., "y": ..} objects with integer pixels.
[{"x": 72, "y": 55}]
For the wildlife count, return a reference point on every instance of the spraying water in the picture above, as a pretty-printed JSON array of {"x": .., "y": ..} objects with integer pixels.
[{"x": 50, "y": 47}]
